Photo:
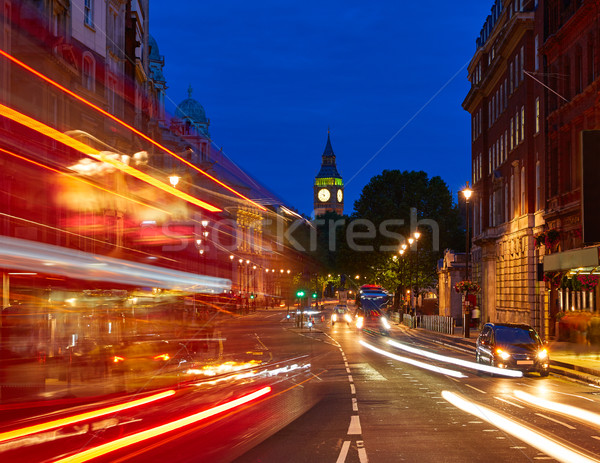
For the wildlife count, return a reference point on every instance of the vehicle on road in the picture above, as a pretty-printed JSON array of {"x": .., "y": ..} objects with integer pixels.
[
  {"x": 340, "y": 314},
  {"x": 512, "y": 346},
  {"x": 372, "y": 297},
  {"x": 373, "y": 320}
]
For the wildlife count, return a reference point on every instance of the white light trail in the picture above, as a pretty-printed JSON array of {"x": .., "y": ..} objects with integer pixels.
[
  {"x": 426, "y": 366},
  {"x": 459, "y": 362},
  {"x": 539, "y": 441},
  {"x": 568, "y": 410}
]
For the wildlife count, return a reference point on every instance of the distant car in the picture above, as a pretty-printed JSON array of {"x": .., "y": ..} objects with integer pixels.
[
  {"x": 372, "y": 320},
  {"x": 340, "y": 314},
  {"x": 512, "y": 346}
]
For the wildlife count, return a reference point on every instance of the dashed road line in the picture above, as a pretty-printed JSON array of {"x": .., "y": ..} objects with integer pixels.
[
  {"x": 509, "y": 402},
  {"x": 343, "y": 452},
  {"x": 354, "y": 427},
  {"x": 568, "y": 426},
  {"x": 476, "y": 389}
]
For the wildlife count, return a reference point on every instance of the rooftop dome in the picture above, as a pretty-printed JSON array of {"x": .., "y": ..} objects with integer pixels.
[
  {"x": 153, "y": 46},
  {"x": 191, "y": 109}
]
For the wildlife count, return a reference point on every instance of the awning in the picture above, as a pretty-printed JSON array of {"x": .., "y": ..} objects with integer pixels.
[{"x": 573, "y": 259}]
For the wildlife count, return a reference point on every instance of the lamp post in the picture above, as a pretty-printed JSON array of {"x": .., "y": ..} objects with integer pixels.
[
  {"x": 411, "y": 240},
  {"x": 417, "y": 235},
  {"x": 467, "y": 192}
]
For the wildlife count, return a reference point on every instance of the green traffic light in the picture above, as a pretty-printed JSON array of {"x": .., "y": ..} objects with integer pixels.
[
  {"x": 300, "y": 294},
  {"x": 314, "y": 295}
]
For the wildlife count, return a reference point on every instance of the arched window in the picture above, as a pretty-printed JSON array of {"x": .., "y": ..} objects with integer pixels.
[
  {"x": 523, "y": 208},
  {"x": 538, "y": 187},
  {"x": 88, "y": 72}
]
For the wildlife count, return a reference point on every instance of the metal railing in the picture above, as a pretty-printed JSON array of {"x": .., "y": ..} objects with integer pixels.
[{"x": 437, "y": 323}]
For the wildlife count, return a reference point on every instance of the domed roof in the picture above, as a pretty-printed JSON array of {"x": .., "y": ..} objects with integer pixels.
[
  {"x": 154, "y": 53},
  {"x": 191, "y": 109}
]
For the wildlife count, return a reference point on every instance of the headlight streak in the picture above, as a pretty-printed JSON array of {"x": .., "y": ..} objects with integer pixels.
[
  {"x": 426, "y": 366},
  {"x": 385, "y": 324},
  {"x": 17, "y": 433},
  {"x": 539, "y": 441},
  {"x": 568, "y": 410},
  {"x": 162, "y": 429},
  {"x": 459, "y": 362}
]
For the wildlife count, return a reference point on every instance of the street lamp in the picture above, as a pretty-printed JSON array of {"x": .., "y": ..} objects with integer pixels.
[
  {"x": 467, "y": 192},
  {"x": 417, "y": 235},
  {"x": 174, "y": 180}
]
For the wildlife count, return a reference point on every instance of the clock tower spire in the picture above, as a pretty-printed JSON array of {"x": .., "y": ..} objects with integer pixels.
[{"x": 328, "y": 189}]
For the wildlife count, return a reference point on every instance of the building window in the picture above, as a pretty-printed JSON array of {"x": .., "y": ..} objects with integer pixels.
[
  {"x": 88, "y": 12},
  {"x": 537, "y": 115},
  {"x": 522, "y": 123},
  {"x": 506, "y": 202},
  {"x": 512, "y": 197},
  {"x": 523, "y": 190},
  {"x": 510, "y": 76},
  {"x": 538, "y": 187},
  {"x": 590, "y": 59},
  {"x": 512, "y": 136},
  {"x": 537, "y": 56},
  {"x": 521, "y": 76},
  {"x": 88, "y": 71}
]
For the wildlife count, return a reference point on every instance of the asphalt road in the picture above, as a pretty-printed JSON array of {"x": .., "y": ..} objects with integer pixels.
[
  {"x": 330, "y": 394},
  {"x": 382, "y": 409}
]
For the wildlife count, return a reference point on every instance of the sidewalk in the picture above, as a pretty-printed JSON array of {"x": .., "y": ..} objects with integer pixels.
[{"x": 576, "y": 361}]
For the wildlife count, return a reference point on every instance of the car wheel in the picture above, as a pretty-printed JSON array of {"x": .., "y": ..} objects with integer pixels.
[{"x": 544, "y": 372}]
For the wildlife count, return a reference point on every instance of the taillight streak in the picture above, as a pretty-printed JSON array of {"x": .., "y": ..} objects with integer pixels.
[
  {"x": 120, "y": 122},
  {"x": 162, "y": 429},
  {"x": 17, "y": 433}
]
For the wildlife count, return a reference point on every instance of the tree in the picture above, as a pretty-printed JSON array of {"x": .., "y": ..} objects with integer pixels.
[{"x": 397, "y": 203}]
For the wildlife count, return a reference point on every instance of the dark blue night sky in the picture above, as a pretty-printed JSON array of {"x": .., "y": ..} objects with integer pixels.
[{"x": 388, "y": 78}]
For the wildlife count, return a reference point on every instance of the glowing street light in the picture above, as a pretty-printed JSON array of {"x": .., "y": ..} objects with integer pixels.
[{"x": 174, "y": 180}]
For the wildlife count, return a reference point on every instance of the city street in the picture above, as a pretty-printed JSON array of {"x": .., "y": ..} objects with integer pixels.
[{"x": 387, "y": 410}]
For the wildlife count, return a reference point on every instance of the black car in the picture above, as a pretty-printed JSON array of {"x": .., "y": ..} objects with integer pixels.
[{"x": 512, "y": 346}]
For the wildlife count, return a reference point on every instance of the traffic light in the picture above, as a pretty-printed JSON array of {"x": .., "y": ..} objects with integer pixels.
[
  {"x": 314, "y": 295},
  {"x": 300, "y": 293},
  {"x": 252, "y": 296}
]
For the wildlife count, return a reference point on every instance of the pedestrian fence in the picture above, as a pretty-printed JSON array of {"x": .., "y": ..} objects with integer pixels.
[{"x": 437, "y": 323}]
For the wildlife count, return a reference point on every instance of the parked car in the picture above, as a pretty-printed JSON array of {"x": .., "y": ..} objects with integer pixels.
[
  {"x": 512, "y": 346},
  {"x": 372, "y": 320},
  {"x": 340, "y": 314}
]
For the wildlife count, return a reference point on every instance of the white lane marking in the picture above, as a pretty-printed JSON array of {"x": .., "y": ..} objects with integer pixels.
[
  {"x": 362, "y": 455},
  {"x": 354, "y": 404},
  {"x": 347, "y": 370},
  {"x": 556, "y": 421},
  {"x": 509, "y": 402},
  {"x": 350, "y": 378},
  {"x": 352, "y": 389},
  {"x": 596, "y": 437},
  {"x": 475, "y": 422},
  {"x": 538, "y": 440},
  {"x": 575, "y": 395},
  {"x": 346, "y": 364},
  {"x": 343, "y": 452},
  {"x": 473, "y": 387},
  {"x": 354, "y": 427}
]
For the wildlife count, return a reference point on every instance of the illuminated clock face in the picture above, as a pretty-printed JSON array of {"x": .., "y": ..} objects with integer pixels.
[
  {"x": 340, "y": 196},
  {"x": 323, "y": 195}
]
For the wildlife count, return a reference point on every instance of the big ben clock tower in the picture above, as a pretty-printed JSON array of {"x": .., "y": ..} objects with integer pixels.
[{"x": 329, "y": 187}]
